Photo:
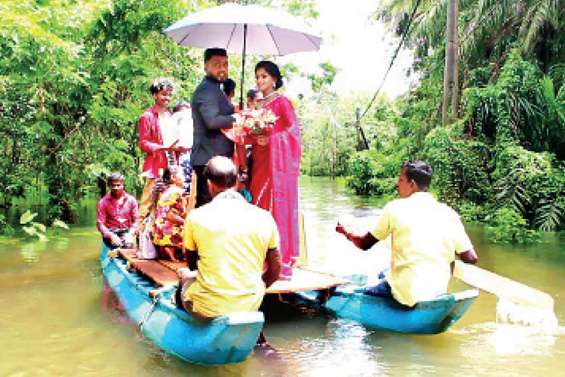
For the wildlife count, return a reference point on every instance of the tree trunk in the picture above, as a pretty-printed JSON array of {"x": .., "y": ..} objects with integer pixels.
[
  {"x": 450, "y": 60},
  {"x": 455, "y": 85}
]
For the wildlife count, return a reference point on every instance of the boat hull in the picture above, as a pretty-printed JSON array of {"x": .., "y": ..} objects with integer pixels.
[
  {"x": 223, "y": 340},
  {"x": 386, "y": 314}
]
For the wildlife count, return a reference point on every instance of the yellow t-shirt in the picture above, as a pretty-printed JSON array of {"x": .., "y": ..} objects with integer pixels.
[
  {"x": 232, "y": 238},
  {"x": 426, "y": 234}
]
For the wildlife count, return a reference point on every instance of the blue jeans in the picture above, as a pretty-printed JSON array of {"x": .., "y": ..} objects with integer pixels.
[
  {"x": 184, "y": 162},
  {"x": 382, "y": 289}
]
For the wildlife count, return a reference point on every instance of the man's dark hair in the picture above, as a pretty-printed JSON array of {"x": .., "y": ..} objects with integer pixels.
[
  {"x": 229, "y": 87},
  {"x": 214, "y": 51},
  {"x": 169, "y": 173},
  {"x": 161, "y": 83},
  {"x": 221, "y": 171},
  {"x": 420, "y": 172},
  {"x": 251, "y": 93},
  {"x": 114, "y": 177}
]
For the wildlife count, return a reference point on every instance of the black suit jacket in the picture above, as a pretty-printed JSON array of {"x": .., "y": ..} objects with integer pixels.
[{"x": 211, "y": 111}]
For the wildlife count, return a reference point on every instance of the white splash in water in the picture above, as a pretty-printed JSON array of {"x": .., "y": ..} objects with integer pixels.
[{"x": 509, "y": 312}]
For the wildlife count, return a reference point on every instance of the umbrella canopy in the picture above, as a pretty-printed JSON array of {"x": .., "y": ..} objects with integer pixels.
[{"x": 244, "y": 28}]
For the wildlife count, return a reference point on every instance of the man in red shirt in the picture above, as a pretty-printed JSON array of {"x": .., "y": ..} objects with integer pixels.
[
  {"x": 116, "y": 214},
  {"x": 152, "y": 125}
]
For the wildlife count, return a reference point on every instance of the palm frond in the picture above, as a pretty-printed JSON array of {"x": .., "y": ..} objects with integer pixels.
[
  {"x": 541, "y": 15},
  {"x": 510, "y": 190},
  {"x": 487, "y": 20},
  {"x": 549, "y": 215},
  {"x": 432, "y": 23}
]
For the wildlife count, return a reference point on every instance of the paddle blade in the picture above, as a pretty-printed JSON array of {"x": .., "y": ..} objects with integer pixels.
[
  {"x": 517, "y": 303},
  {"x": 502, "y": 287}
]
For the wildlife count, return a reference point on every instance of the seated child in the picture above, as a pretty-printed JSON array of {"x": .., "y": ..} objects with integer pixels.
[
  {"x": 242, "y": 188},
  {"x": 169, "y": 216}
]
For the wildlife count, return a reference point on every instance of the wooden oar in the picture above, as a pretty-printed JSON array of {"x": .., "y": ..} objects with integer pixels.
[{"x": 502, "y": 287}]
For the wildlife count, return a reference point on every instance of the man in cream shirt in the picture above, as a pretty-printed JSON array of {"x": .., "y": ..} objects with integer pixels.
[
  {"x": 229, "y": 241},
  {"x": 426, "y": 237}
]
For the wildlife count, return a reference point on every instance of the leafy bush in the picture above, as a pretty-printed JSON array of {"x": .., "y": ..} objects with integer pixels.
[
  {"x": 460, "y": 165},
  {"x": 508, "y": 226},
  {"x": 374, "y": 173},
  {"x": 5, "y": 228},
  {"x": 471, "y": 212},
  {"x": 532, "y": 183},
  {"x": 361, "y": 174}
]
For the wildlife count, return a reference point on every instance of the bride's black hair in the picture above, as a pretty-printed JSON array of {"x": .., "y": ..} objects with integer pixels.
[{"x": 273, "y": 70}]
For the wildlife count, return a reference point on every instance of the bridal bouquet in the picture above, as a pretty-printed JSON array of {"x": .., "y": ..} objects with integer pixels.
[
  {"x": 256, "y": 122},
  {"x": 251, "y": 123}
]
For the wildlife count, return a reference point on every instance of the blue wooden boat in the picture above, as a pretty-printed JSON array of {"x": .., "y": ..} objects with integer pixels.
[
  {"x": 226, "y": 339},
  {"x": 382, "y": 313}
]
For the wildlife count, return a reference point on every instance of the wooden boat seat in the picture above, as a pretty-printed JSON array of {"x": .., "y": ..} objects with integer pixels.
[{"x": 152, "y": 269}]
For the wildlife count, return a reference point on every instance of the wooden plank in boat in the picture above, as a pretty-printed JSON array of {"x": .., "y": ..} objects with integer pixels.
[
  {"x": 175, "y": 266},
  {"x": 305, "y": 280},
  {"x": 302, "y": 279},
  {"x": 152, "y": 269}
]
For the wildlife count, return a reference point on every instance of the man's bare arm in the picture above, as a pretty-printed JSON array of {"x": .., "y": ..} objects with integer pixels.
[
  {"x": 273, "y": 267},
  {"x": 363, "y": 242}
]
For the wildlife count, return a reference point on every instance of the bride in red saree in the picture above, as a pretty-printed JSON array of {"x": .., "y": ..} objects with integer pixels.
[{"x": 276, "y": 164}]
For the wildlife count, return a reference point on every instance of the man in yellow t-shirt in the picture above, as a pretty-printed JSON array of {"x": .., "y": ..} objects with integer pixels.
[
  {"x": 426, "y": 236},
  {"x": 232, "y": 240}
]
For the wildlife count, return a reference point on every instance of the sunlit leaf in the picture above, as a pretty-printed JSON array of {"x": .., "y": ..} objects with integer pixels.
[
  {"x": 60, "y": 224},
  {"x": 30, "y": 230},
  {"x": 40, "y": 227},
  {"x": 27, "y": 216}
]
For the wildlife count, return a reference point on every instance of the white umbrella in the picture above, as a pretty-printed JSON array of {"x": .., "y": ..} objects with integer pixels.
[{"x": 242, "y": 29}]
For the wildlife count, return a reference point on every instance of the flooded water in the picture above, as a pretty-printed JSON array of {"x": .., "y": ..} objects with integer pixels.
[{"x": 55, "y": 319}]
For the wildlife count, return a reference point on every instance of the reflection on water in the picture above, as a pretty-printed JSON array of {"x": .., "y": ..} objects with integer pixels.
[{"x": 56, "y": 319}]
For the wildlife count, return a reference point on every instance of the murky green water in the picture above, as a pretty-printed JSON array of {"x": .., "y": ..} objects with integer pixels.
[{"x": 56, "y": 321}]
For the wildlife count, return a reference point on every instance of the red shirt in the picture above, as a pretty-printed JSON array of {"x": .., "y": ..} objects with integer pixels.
[
  {"x": 150, "y": 140},
  {"x": 114, "y": 213}
]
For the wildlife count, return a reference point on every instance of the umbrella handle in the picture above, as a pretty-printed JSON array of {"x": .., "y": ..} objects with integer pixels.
[{"x": 243, "y": 67}]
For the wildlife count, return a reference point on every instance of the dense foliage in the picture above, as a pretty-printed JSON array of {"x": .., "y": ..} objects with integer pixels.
[
  {"x": 502, "y": 161},
  {"x": 74, "y": 78}
]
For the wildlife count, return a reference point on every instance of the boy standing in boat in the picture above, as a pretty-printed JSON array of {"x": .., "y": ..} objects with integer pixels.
[
  {"x": 231, "y": 239},
  {"x": 116, "y": 215},
  {"x": 154, "y": 123},
  {"x": 426, "y": 236}
]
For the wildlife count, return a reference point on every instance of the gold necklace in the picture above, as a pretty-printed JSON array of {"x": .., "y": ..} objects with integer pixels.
[{"x": 273, "y": 95}]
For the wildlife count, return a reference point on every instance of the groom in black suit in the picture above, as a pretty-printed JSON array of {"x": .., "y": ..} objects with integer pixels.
[{"x": 211, "y": 111}]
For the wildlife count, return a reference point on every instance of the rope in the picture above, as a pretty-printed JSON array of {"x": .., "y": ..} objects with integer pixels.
[
  {"x": 156, "y": 294},
  {"x": 146, "y": 316},
  {"x": 404, "y": 35}
]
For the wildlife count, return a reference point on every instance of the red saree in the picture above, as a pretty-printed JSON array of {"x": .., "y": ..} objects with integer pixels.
[{"x": 274, "y": 178}]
